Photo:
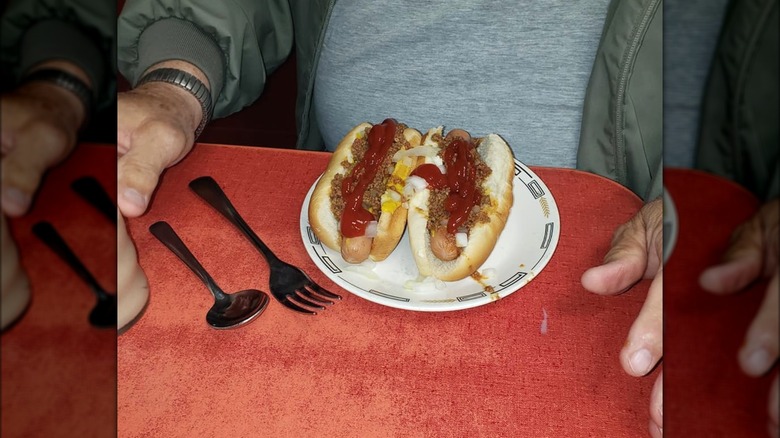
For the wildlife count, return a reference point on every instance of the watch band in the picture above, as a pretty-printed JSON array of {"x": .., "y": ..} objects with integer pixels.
[
  {"x": 188, "y": 82},
  {"x": 69, "y": 82}
]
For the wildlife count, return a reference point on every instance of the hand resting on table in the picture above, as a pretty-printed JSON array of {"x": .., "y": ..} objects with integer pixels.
[
  {"x": 39, "y": 127},
  {"x": 155, "y": 130},
  {"x": 637, "y": 253},
  {"x": 753, "y": 254}
]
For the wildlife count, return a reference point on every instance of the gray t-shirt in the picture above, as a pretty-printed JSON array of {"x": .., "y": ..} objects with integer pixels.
[
  {"x": 517, "y": 69},
  {"x": 691, "y": 30}
]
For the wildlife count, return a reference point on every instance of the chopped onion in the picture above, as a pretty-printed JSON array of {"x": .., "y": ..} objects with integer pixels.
[
  {"x": 416, "y": 183},
  {"x": 461, "y": 240},
  {"x": 440, "y": 164},
  {"x": 395, "y": 196},
  {"x": 371, "y": 229},
  {"x": 419, "y": 151}
]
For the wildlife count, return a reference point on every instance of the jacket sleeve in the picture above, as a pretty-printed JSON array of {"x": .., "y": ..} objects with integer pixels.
[
  {"x": 236, "y": 43},
  {"x": 79, "y": 31},
  {"x": 621, "y": 136},
  {"x": 739, "y": 135}
]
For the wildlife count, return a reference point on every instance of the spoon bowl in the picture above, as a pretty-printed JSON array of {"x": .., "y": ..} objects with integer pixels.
[
  {"x": 239, "y": 308},
  {"x": 229, "y": 310},
  {"x": 104, "y": 312}
]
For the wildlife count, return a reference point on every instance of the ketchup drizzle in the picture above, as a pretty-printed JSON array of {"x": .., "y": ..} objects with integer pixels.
[
  {"x": 355, "y": 218},
  {"x": 461, "y": 178},
  {"x": 432, "y": 175}
]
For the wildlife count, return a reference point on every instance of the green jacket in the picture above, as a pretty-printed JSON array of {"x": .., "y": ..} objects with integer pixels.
[
  {"x": 739, "y": 128},
  {"x": 80, "y": 31},
  {"x": 238, "y": 46}
]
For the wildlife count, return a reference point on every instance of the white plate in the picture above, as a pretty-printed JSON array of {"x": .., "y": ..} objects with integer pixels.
[
  {"x": 671, "y": 225},
  {"x": 524, "y": 248}
]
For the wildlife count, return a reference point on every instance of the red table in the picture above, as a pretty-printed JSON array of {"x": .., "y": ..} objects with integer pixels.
[
  {"x": 361, "y": 369},
  {"x": 58, "y": 372},
  {"x": 705, "y": 392}
]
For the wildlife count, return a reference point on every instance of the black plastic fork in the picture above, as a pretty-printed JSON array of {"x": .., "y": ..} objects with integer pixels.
[{"x": 288, "y": 284}]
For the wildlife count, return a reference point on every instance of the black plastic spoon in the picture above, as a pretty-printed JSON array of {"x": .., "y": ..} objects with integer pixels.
[
  {"x": 104, "y": 312},
  {"x": 229, "y": 310}
]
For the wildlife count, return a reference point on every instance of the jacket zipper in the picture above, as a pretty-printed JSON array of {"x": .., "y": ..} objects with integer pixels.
[{"x": 620, "y": 147}]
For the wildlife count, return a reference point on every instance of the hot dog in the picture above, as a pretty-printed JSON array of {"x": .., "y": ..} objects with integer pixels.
[
  {"x": 462, "y": 194},
  {"x": 357, "y": 207}
]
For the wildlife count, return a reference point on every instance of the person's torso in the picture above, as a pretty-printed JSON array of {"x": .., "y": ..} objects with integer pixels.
[
  {"x": 519, "y": 70},
  {"x": 693, "y": 27}
]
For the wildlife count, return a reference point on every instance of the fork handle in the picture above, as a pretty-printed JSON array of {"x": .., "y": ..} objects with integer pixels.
[
  {"x": 165, "y": 234},
  {"x": 209, "y": 191}
]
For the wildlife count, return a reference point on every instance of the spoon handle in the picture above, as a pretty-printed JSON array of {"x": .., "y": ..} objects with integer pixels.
[
  {"x": 165, "y": 234},
  {"x": 92, "y": 192},
  {"x": 49, "y": 235},
  {"x": 209, "y": 191}
]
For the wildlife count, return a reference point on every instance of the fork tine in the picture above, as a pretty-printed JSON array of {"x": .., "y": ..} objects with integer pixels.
[
  {"x": 301, "y": 300},
  {"x": 308, "y": 294},
  {"x": 291, "y": 305},
  {"x": 322, "y": 291}
]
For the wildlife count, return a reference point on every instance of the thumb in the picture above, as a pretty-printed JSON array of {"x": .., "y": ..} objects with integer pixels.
[
  {"x": 744, "y": 260},
  {"x": 154, "y": 147},
  {"x": 132, "y": 284},
  {"x": 627, "y": 260},
  {"x": 38, "y": 147}
]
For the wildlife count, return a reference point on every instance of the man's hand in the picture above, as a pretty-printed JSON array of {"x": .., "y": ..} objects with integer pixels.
[
  {"x": 753, "y": 254},
  {"x": 39, "y": 126},
  {"x": 14, "y": 286},
  {"x": 156, "y": 125},
  {"x": 637, "y": 253},
  {"x": 132, "y": 286}
]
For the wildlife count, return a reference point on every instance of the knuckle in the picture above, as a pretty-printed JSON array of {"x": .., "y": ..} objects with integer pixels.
[
  {"x": 134, "y": 168},
  {"x": 21, "y": 175},
  {"x": 159, "y": 127},
  {"x": 165, "y": 133},
  {"x": 48, "y": 138}
]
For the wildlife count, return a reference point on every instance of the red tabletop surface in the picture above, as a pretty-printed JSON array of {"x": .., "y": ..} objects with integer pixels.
[
  {"x": 705, "y": 392},
  {"x": 59, "y": 372},
  {"x": 360, "y": 369}
]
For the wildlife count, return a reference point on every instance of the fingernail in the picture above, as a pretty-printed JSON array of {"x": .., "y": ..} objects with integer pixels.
[
  {"x": 757, "y": 362},
  {"x": 15, "y": 202},
  {"x": 136, "y": 199},
  {"x": 641, "y": 361}
]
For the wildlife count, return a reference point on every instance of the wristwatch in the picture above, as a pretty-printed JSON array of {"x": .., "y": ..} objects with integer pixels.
[
  {"x": 67, "y": 81},
  {"x": 188, "y": 82}
]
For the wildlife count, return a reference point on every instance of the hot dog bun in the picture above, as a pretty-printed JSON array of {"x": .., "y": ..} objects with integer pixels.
[
  {"x": 391, "y": 220},
  {"x": 482, "y": 236}
]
